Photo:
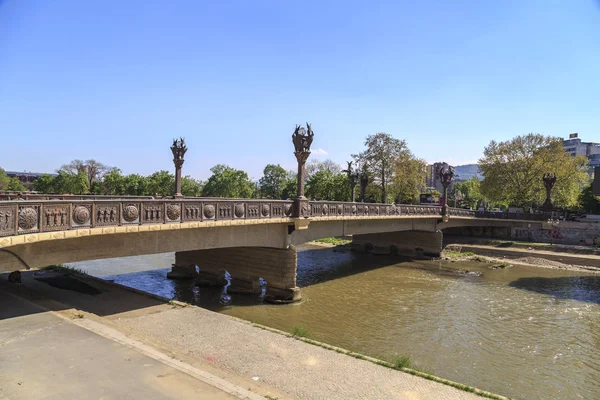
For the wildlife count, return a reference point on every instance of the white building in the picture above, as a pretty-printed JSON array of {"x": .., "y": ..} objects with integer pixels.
[{"x": 576, "y": 147}]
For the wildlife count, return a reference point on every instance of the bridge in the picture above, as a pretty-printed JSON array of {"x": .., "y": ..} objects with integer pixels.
[{"x": 251, "y": 239}]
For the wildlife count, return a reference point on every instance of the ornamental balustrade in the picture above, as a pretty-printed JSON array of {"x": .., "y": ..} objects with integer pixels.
[{"x": 34, "y": 216}]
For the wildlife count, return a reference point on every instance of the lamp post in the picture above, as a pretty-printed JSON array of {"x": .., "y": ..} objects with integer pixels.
[
  {"x": 446, "y": 175},
  {"x": 302, "y": 139},
  {"x": 352, "y": 177},
  {"x": 549, "y": 181},
  {"x": 178, "y": 148}
]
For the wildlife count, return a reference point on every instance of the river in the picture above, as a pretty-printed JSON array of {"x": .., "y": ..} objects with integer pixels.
[{"x": 524, "y": 332}]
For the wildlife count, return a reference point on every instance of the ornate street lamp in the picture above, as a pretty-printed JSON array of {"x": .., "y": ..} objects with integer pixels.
[
  {"x": 549, "y": 181},
  {"x": 364, "y": 182},
  {"x": 302, "y": 139},
  {"x": 352, "y": 177},
  {"x": 446, "y": 175},
  {"x": 178, "y": 148}
]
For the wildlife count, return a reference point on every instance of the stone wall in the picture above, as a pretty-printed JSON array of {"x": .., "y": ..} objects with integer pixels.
[{"x": 407, "y": 243}]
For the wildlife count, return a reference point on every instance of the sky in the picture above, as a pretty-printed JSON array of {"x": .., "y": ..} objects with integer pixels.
[{"x": 116, "y": 81}]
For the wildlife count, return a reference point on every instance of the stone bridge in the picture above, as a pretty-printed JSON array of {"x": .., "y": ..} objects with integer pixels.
[{"x": 251, "y": 239}]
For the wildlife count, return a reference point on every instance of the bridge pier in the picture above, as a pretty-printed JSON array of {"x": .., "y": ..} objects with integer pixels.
[
  {"x": 187, "y": 271},
  {"x": 405, "y": 243},
  {"x": 246, "y": 265}
]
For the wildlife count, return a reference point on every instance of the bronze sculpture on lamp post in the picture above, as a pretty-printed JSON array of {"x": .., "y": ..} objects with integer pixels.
[
  {"x": 302, "y": 139},
  {"x": 549, "y": 181},
  {"x": 446, "y": 176},
  {"x": 178, "y": 148},
  {"x": 352, "y": 178}
]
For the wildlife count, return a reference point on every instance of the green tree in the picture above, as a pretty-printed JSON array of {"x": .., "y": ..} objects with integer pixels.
[
  {"x": 381, "y": 159},
  {"x": 409, "y": 179},
  {"x": 589, "y": 202},
  {"x": 191, "y": 187},
  {"x": 228, "y": 182},
  {"x": 273, "y": 181},
  {"x": 326, "y": 185},
  {"x": 513, "y": 171},
  {"x": 135, "y": 185},
  {"x": 66, "y": 183},
  {"x": 112, "y": 183},
  {"x": 4, "y": 180},
  {"x": 161, "y": 183},
  {"x": 290, "y": 185},
  {"x": 469, "y": 193},
  {"x": 44, "y": 184},
  {"x": 15, "y": 184}
]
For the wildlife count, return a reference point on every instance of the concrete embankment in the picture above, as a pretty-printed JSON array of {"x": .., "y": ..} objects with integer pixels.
[{"x": 267, "y": 362}]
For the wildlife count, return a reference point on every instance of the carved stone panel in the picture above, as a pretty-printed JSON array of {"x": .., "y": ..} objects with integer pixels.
[
  {"x": 131, "y": 213},
  {"x": 287, "y": 209},
  {"x": 339, "y": 209},
  {"x": 192, "y": 211},
  {"x": 29, "y": 219},
  {"x": 173, "y": 212},
  {"x": 81, "y": 215},
  {"x": 8, "y": 220},
  {"x": 107, "y": 214},
  {"x": 153, "y": 213},
  {"x": 253, "y": 210},
  {"x": 56, "y": 217},
  {"x": 225, "y": 211},
  {"x": 277, "y": 210}
]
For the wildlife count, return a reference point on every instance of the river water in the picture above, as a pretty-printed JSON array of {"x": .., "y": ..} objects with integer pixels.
[{"x": 524, "y": 332}]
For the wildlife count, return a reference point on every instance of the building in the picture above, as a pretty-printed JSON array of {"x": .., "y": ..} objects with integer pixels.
[{"x": 576, "y": 147}]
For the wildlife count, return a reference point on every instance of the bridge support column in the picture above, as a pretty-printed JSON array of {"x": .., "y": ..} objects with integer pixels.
[
  {"x": 182, "y": 271},
  {"x": 405, "y": 243},
  {"x": 246, "y": 265}
]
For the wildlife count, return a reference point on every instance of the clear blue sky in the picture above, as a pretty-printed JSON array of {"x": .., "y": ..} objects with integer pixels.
[{"x": 117, "y": 80}]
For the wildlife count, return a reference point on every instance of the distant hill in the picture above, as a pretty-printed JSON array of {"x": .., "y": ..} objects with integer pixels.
[{"x": 466, "y": 172}]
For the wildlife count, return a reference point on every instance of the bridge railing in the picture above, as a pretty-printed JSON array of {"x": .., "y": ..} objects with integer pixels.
[
  {"x": 29, "y": 216},
  {"x": 34, "y": 216}
]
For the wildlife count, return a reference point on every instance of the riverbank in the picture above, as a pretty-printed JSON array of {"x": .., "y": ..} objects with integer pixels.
[
  {"x": 280, "y": 365},
  {"x": 530, "y": 256}
]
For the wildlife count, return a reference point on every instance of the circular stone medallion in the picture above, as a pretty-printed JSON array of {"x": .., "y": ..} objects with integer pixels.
[
  {"x": 81, "y": 215},
  {"x": 287, "y": 209},
  {"x": 209, "y": 211},
  {"x": 130, "y": 213},
  {"x": 173, "y": 211},
  {"x": 27, "y": 218}
]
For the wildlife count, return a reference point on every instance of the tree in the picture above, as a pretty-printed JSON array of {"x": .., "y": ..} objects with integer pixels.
[
  {"x": 134, "y": 185},
  {"x": 325, "y": 185},
  {"x": 191, "y": 187},
  {"x": 228, "y": 182},
  {"x": 589, "y": 202},
  {"x": 112, "y": 183},
  {"x": 44, "y": 184},
  {"x": 408, "y": 181},
  {"x": 513, "y": 171},
  {"x": 92, "y": 169},
  {"x": 469, "y": 193},
  {"x": 15, "y": 185},
  {"x": 381, "y": 159},
  {"x": 161, "y": 183},
  {"x": 290, "y": 185},
  {"x": 4, "y": 180},
  {"x": 273, "y": 181},
  {"x": 314, "y": 166}
]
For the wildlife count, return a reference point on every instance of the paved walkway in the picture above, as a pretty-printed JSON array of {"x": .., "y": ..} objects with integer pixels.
[
  {"x": 222, "y": 346},
  {"x": 45, "y": 356}
]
